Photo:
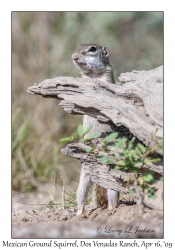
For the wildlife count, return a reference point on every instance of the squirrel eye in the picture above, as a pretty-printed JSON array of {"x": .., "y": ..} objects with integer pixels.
[{"x": 92, "y": 48}]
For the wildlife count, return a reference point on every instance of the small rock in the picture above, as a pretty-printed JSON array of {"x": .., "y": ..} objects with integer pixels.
[
  {"x": 104, "y": 206},
  {"x": 63, "y": 218},
  {"x": 57, "y": 212},
  {"x": 65, "y": 213},
  {"x": 25, "y": 219},
  {"x": 70, "y": 210}
]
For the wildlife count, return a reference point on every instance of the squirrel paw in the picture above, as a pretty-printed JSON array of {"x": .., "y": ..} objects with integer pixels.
[{"x": 80, "y": 211}]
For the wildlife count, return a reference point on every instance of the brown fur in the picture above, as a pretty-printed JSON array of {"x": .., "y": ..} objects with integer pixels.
[{"x": 93, "y": 62}]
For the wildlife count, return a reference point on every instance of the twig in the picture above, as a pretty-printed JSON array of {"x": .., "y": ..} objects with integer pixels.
[
  {"x": 63, "y": 196},
  {"x": 139, "y": 195}
]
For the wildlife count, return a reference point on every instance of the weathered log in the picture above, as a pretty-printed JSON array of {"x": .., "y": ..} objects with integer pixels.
[
  {"x": 78, "y": 151},
  {"x": 107, "y": 177},
  {"x": 104, "y": 175},
  {"x": 133, "y": 107},
  {"x": 137, "y": 104}
]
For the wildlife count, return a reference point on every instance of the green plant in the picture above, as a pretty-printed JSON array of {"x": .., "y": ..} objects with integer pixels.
[
  {"x": 33, "y": 160},
  {"x": 79, "y": 135}
]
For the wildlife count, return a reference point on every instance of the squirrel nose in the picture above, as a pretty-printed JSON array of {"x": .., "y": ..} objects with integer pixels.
[{"x": 74, "y": 57}]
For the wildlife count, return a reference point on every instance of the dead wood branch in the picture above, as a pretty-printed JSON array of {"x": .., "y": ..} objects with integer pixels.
[
  {"x": 137, "y": 104},
  {"x": 133, "y": 107},
  {"x": 104, "y": 175}
]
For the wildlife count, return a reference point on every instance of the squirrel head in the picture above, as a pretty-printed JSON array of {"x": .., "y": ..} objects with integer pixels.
[{"x": 91, "y": 59}]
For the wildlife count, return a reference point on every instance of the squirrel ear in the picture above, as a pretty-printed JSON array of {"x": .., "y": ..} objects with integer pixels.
[{"x": 105, "y": 51}]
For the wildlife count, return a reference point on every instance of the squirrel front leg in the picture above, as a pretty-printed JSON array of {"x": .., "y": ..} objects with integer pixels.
[
  {"x": 113, "y": 198},
  {"x": 82, "y": 191}
]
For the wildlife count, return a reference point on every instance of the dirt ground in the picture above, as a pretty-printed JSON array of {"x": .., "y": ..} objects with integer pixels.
[{"x": 125, "y": 221}]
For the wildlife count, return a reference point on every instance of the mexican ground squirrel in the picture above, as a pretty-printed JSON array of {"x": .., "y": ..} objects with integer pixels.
[{"x": 93, "y": 62}]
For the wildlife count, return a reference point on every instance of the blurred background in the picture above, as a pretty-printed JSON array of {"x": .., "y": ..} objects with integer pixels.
[{"x": 42, "y": 45}]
